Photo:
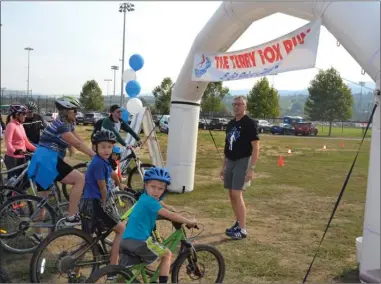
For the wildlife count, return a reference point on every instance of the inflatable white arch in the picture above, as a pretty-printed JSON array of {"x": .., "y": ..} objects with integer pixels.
[{"x": 356, "y": 25}]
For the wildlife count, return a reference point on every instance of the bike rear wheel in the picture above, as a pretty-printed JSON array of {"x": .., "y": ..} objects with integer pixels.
[{"x": 62, "y": 260}]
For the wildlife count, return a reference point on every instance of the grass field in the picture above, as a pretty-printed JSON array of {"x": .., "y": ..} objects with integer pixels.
[{"x": 288, "y": 208}]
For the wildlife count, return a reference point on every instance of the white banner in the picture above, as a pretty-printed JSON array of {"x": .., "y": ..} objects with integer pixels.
[{"x": 294, "y": 51}]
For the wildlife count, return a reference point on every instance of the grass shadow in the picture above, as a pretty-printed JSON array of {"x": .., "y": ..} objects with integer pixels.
[{"x": 349, "y": 275}]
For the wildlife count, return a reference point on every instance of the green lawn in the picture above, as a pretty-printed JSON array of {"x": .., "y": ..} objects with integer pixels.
[{"x": 287, "y": 209}]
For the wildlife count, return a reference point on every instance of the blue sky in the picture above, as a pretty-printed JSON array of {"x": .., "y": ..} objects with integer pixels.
[{"x": 78, "y": 41}]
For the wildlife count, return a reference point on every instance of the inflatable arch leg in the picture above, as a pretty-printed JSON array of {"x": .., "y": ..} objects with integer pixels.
[{"x": 356, "y": 25}]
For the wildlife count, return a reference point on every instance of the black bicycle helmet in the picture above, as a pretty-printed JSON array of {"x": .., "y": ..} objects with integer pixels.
[
  {"x": 68, "y": 102},
  {"x": 31, "y": 106},
  {"x": 102, "y": 136},
  {"x": 17, "y": 108}
]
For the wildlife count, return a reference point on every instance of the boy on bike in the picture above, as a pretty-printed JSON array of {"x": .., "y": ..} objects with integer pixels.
[
  {"x": 136, "y": 237},
  {"x": 94, "y": 212}
]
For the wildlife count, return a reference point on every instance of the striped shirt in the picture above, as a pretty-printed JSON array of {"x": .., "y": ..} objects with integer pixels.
[{"x": 52, "y": 136}]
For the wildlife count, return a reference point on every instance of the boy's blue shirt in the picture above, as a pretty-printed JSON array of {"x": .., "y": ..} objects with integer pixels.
[
  {"x": 142, "y": 219},
  {"x": 98, "y": 169}
]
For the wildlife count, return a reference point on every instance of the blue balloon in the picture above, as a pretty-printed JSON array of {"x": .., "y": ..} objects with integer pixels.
[
  {"x": 125, "y": 114},
  {"x": 133, "y": 88},
  {"x": 136, "y": 62}
]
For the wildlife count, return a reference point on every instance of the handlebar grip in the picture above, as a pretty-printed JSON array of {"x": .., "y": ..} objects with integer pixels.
[{"x": 194, "y": 226}]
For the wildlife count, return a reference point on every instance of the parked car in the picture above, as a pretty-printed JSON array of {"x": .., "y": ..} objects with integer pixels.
[
  {"x": 203, "y": 123},
  {"x": 305, "y": 128},
  {"x": 164, "y": 127},
  {"x": 264, "y": 126},
  {"x": 79, "y": 118},
  {"x": 218, "y": 123},
  {"x": 283, "y": 128},
  {"x": 92, "y": 118}
]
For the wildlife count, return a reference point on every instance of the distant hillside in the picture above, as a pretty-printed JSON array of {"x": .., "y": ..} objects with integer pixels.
[{"x": 355, "y": 89}]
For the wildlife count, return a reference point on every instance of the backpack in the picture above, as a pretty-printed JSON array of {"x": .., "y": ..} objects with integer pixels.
[{"x": 97, "y": 126}]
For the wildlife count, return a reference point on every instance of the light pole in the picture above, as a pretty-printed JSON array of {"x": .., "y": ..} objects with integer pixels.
[
  {"x": 29, "y": 49},
  {"x": 362, "y": 84},
  {"x": 114, "y": 67},
  {"x": 108, "y": 83},
  {"x": 124, "y": 8}
]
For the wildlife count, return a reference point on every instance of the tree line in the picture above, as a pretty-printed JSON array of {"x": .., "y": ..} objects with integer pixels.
[{"x": 329, "y": 98}]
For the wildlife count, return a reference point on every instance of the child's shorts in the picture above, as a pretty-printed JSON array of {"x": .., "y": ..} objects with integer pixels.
[
  {"x": 133, "y": 252},
  {"x": 93, "y": 216}
]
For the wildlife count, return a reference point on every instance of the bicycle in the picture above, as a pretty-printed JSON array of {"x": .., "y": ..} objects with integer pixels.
[
  {"x": 15, "y": 206},
  {"x": 188, "y": 252},
  {"x": 138, "y": 169},
  {"x": 67, "y": 261}
]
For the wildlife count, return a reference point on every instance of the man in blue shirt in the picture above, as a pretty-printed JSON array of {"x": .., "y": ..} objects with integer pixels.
[
  {"x": 136, "y": 238},
  {"x": 94, "y": 212}
]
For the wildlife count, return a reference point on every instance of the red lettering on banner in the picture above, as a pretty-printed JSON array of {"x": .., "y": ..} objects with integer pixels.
[
  {"x": 237, "y": 62},
  {"x": 288, "y": 46},
  {"x": 247, "y": 60},
  {"x": 241, "y": 60},
  {"x": 262, "y": 56},
  {"x": 294, "y": 41},
  {"x": 269, "y": 54},
  {"x": 225, "y": 62},
  {"x": 277, "y": 52},
  {"x": 232, "y": 60},
  {"x": 252, "y": 58},
  {"x": 218, "y": 62},
  {"x": 308, "y": 30}
]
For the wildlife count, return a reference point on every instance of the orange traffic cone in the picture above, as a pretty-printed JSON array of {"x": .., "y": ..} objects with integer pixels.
[
  {"x": 281, "y": 162},
  {"x": 342, "y": 144}
]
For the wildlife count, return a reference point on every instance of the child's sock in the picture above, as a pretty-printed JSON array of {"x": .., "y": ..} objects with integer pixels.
[{"x": 163, "y": 279}]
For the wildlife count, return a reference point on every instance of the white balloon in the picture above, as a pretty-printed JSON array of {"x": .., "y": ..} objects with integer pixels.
[
  {"x": 134, "y": 105},
  {"x": 129, "y": 75}
]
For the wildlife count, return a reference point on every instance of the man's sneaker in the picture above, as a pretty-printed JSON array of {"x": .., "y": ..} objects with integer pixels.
[
  {"x": 72, "y": 221},
  {"x": 232, "y": 228},
  {"x": 237, "y": 234}
]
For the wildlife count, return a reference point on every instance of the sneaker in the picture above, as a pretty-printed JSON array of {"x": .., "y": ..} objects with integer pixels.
[
  {"x": 77, "y": 278},
  {"x": 237, "y": 234},
  {"x": 72, "y": 221},
  {"x": 232, "y": 228}
]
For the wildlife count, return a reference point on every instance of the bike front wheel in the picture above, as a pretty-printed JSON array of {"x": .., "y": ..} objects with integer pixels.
[
  {"x": 191, "y": 265},
  {"x": 25, "y": 221}
]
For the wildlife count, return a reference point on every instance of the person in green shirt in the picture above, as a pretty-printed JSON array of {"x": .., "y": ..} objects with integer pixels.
[{"x": 115, "y": 123}]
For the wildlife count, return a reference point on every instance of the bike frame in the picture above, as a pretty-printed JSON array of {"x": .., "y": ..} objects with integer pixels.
[
  {"x": 21, "y": 175},
  {"x": 171, "y": 243}
]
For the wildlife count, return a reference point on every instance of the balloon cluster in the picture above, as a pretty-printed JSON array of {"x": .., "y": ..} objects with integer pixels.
[{"x": 134, "y": 105}]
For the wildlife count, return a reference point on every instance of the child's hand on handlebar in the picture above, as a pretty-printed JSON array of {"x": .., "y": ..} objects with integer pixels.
[{"x": 192, "y": 224}]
